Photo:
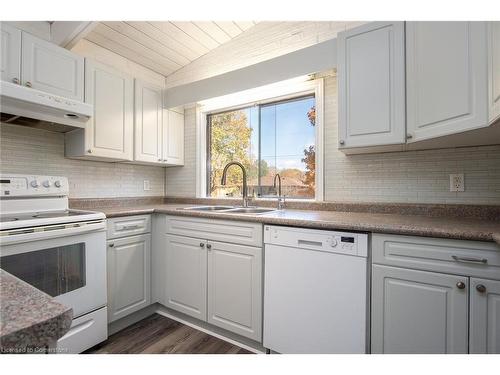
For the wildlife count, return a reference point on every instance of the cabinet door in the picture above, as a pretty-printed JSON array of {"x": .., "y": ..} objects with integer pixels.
[
  {"x": 494, "y": 70},
  {"x": 484, "y": 316},
  {"x": 173, "y": 137},
  {"x": 109, "y": 132},
  {"x": 148, "y": 123},
  {"x": 446, "y": 78},
  {"x": 50, "y": 68},
  {"x": 10, "y": 54},
  {"x": 418, "y": 312},
  {"x": 371, "y": 84},
  {"x": 186, "y": 275},
  {"x": 129, "y": 275},
  {"x": 235, "y": 288}
]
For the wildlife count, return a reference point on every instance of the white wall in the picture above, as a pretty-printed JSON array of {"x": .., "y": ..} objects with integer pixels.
[
  {"x": 34, "y": 151},
  {"x": 416, "y": 176}
]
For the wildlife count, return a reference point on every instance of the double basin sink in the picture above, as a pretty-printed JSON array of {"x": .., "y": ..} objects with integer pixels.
[{"x": 231, "y": 210}]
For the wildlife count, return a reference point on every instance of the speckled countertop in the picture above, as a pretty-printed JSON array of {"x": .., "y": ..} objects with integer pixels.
[
  {"x": 405, "y": 224},
  {"x": 30, "y": 320}
]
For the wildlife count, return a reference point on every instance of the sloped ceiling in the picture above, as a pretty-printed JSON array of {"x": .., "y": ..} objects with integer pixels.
[{"x": 165, "y": 46}]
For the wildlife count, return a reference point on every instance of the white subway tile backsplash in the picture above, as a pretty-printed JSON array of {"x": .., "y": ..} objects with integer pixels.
[{"x": 34, "y": 151}]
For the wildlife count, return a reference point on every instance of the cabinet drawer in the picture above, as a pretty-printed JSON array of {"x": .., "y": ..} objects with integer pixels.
[
  {"x": 237, "y": 232},
  {"x": 85, "y": 332},
  {"x": 128, "y": 226},
  {"x": 471, "y": 258}
]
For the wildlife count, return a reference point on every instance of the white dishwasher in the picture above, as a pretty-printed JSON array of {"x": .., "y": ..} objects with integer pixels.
[{"x": 315, "y": 291}]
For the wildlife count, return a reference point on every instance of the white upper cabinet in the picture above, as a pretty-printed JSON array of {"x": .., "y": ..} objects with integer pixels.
[
  {"x": 494, "y": 70},
  {"x": 10, "y": 54},
  {"x": 50, "y": 68},
  {"x": 173, "y": 138},
  {"x": 371, "y": 85},
  {"x": 109, "y": 134},
  {"x": 446, "y": 78},
  {"x": 148, "y": 123}
]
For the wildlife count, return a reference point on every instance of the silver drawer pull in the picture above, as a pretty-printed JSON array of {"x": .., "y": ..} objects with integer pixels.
[
  {"x": 127, "y": 227},
  {"x": 469, "y": 260}
]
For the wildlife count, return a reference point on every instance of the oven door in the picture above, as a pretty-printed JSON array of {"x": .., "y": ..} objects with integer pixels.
[{"x": 68, "y": 264}]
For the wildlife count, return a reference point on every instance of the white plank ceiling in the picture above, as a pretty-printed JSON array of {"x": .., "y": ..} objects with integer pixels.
[{"x": 165, "y": 46}]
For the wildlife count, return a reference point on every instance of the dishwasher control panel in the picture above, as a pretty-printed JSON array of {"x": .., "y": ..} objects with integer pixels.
[{"x": 320, "y": 240}]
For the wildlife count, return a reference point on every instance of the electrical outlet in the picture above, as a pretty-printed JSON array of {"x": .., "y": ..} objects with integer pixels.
[
  {"x": 457, "y": 182},
  {"x": 147, "y": 185}
]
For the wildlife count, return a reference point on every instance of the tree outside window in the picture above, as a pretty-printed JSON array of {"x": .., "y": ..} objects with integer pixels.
[{"x": 273, "y": 138}]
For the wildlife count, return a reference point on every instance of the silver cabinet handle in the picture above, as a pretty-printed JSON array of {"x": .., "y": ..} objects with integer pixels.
[
  {"x": 202, "y": 244},
  {"x": 469, "y": 260},
  {"x": 89, "y": 151},
  {"x": 461, "y": 285},
  {"x": 15, "y": 80},
  {"x": 209, "y": 247},
  {"x": 409, "y": 136},
  {"x": 128, "y": 227},
  {"x": 480, "y": 288},
  {"x": 111, "y": 245},
  {"x": 28, "y": 84},
  {"x": 342, "y": 142}
]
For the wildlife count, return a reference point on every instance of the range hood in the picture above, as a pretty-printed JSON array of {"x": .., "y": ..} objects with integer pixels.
[{"x": 30, "y": 107}]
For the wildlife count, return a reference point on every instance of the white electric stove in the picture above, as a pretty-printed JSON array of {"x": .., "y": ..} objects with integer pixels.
[{"x": 57, "y": 250}]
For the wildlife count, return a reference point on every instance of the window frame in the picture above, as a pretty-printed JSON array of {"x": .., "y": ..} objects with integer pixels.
[{"x": 260, "y": 96}]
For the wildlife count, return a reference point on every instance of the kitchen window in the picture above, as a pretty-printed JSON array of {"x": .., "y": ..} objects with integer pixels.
[{"x": 273, "y": 137}]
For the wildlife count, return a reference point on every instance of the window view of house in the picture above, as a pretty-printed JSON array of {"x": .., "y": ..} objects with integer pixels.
[{"x": 278, "y": 137}]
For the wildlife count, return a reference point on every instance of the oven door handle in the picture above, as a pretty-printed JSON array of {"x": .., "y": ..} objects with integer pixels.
[{"x": 49, "y": 232}]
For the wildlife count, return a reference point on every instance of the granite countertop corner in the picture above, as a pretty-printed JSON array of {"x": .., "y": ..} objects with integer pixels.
[{"x": 30, "y": 320}]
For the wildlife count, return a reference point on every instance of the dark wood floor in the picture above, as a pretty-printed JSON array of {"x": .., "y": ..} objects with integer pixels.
[{"x": 157, "y": 334}]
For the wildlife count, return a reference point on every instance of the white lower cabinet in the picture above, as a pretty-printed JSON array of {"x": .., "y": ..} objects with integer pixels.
[
  {"x": 418, "y": 312},
  {"x": 235, "y": 288},
  {"x": 219, "y": 282},
  {"x": 484, "y": 316},
  {"x": 186, "y": 275},
  {"x": 433, "y": 295},
  {"x": 129, "y": 275}
]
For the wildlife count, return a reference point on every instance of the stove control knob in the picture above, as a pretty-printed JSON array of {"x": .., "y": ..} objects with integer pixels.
[
  {"x": 333, "y": 242},
  {"x": 46, "y": 183},
  {"x": 35, "y": 184},
  {"x": 57, "y": 184}
]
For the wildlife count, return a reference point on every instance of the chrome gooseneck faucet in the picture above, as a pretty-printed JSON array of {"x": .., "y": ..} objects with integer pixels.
[
  {"x": 281, "y": 198},
  {"x": 245, "y": 187}
]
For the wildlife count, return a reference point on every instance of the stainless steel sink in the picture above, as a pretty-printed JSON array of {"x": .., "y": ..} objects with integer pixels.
[
  {"x": 208, "y": 208},
  {"x": 249, "y": 210},
  {"x": 230, "y": 209}
]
